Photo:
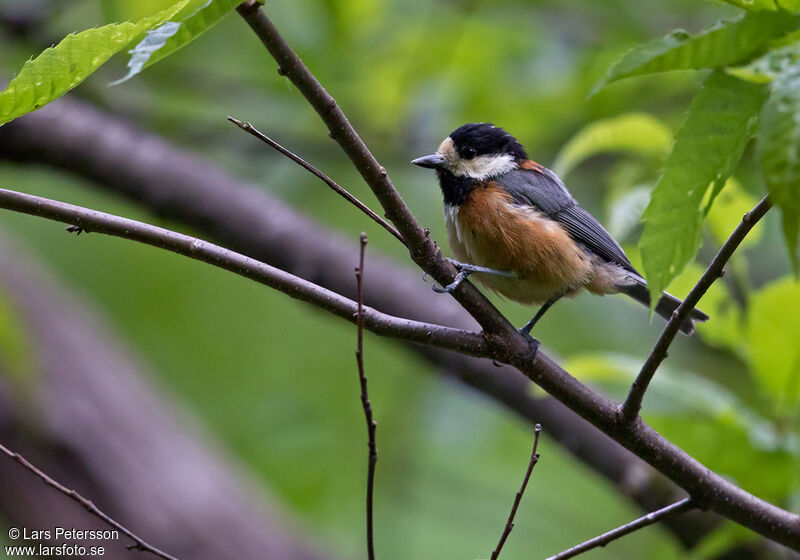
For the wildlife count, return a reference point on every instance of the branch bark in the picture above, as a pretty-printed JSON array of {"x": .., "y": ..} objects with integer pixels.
[
  {"x": 422, "y": 249},
  {"x": 633, "y": 403},
  {"x": 181, "y": 187},
  {"x": 372, "y": 446},
  {"x": 139, "y": 543},
  {"x": 602, "y": 540},
  {"x": 705, "y": 487},
  {"x": 505, "y": 343},
  {"x": 192, "y": 247},
  {"x": 87, "y": 413}
]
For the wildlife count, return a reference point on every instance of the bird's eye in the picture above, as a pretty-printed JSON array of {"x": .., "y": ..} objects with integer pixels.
[{"x": 470, "y": 152}]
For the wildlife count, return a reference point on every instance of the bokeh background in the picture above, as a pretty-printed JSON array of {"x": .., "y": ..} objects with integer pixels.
[{"x": 274, "y": 381}]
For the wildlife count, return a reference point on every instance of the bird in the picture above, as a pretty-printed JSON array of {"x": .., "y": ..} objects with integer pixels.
[{"x": 513, "y": 224}]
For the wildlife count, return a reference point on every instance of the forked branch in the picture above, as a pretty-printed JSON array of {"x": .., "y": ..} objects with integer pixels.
[
  {"x": 504, "y": 343},
  {"x": 138, "y": 543},
  {"x": 633, "y": 403}
]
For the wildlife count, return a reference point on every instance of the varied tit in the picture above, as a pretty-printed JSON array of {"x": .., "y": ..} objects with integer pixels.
[{"x": 512, "y": 223}]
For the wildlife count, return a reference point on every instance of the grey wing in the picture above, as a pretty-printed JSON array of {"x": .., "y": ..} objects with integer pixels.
[{"x": 544, "y": 190}]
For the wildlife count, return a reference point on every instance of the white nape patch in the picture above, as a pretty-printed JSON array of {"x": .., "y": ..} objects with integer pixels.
[
  {"x": 480, "y": 167},
  {"x": 451, "y": 219}
]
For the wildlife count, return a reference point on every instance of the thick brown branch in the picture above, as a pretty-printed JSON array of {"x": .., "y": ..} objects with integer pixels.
[
  {"x": 537, "y": 430},
  {"x": 139, "y": 543},
  {"x": 633, "y": 403},
  {"x": 505, "y": 343},
  {"x": 602, "y": 540},
  {"x": 247, "y": 127},
  {"x": 372, "y": 457},
  {"x": 375, "y": 321},
  {"x": 182, "y": 187},
  {"x": 422, "y": 249}
]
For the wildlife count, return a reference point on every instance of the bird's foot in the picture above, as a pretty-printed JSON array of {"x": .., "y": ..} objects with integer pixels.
[
  {"x": 464, "y": 270},
  {"x": 532, "y": 342}
]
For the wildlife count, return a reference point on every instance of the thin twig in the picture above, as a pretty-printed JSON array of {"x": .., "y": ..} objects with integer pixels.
[
  {"x": 372, "y": 458},
  {"x": 602, "y": 540},
  {"x": 296, "y": 287},
  {"x": 139, "y": 543},
  {"x": 247, "y": 127},
  {"x": 633, "y": 403},
  {"x": 423, "y": 250},
  {"x": 537, "y": 430},
  {"x": 507, "y": 345},
  {"x": 717, "y": 493}
]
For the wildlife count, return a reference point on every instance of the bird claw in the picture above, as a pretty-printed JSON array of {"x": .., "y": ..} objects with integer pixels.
[
  {"x": 460, "y": 277},
  {"x": 532, "y": 342}
]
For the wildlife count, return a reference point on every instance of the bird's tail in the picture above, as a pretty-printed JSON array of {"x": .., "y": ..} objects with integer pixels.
[{"x": 665, "y": 306}]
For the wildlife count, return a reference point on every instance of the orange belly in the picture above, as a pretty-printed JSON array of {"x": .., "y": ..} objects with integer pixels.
[{"x": 489, "y": 230}]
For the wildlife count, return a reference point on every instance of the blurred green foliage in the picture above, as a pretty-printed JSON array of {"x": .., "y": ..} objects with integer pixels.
[{"x": 407, "y": 74}]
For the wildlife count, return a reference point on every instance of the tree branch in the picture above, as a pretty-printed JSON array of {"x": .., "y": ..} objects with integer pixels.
[
  {"x": 537, "y": 430},
  {"x": 247, "y": 127},
  {"x": 602, "y": 540},
  {"x": 139, "y": 543},
  {"x": 375, "y": 321},
  {"x": 183, "y": 187},
  {"x": 92, "y": 417},
  {"x": 633, "y": 403},
  {"x": 505, "y": 344},
  {"x": 422, "y": 249},
  {"x": 372, "y": 457}
]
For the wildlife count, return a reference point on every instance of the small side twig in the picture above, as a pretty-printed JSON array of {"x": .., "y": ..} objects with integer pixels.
[
  {"x": 681, "y": 506},
  {"x": 518, "y": 498},
  {"x": 633, "y": 403},
  {"x": 138, "y": 543},
  {"x": 247, "y": 127},
  {"x": 371, "y": 424}
]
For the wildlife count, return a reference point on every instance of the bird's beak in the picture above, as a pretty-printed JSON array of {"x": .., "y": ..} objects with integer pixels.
[{"x": 433, "y": 161}]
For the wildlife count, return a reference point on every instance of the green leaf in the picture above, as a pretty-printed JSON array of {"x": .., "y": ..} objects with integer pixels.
[
  {"x": 773, "y": 329},
  {"x": 706, "y": 419},
  {"x": 171, "y": 36},
  {"x": 603, "y": 367},
  {"x": 778, "y": 150},
  {"x": 707, "y": 148},
  {"x": 767, "y": 68},
  {"x": 753, "y": 5},
  {"x": 728, "y": 42},
  {"x": 59, "y": 69},
  {"x": 765, "y": 5},
  {"x": 637, "y": 133}
]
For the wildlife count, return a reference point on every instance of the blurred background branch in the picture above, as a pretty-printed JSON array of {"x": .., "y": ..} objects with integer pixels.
[
  {"x": 98, "y": 423},
  {"x": 406, "y": 77},
  {"x": 173, "y": 184}
]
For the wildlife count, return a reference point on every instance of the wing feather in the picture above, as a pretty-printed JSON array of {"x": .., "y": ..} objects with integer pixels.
[{"x": 545, "y": 191}]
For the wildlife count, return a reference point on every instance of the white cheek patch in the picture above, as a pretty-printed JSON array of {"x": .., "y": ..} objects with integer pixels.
[
  {"x": 479, "y": 168},
  {"x": 483, "y": 167}
]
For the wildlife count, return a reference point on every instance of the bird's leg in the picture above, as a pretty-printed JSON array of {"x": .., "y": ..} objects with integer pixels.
[
  {"x": 464, "y": 270},
  {"x": 526, "y": 330}
]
